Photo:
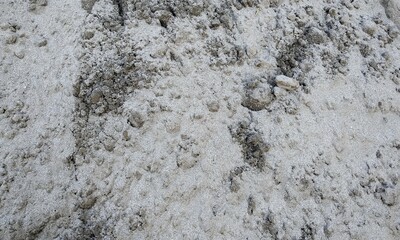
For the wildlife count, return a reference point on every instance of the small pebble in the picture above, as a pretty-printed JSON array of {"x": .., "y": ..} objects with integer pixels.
[
  {"x": 125, "y": 135},
  {"x": 12, "y": 39},
  {"x": 393, "y": 32},
  {"x": 42, "y": 2},
  {"x": 10, "y": 134},
  {"x": 88, "y": 34},
  {"x": 136, "y": 120},
  {"x": 213, "y": 106},
  {"x": 369, "y": 27},
  {"x": 42, "y": 43},
  {"x": 258, "y": 98},
  {"x": 96, "y": 95},
  {"x": 315, "y": 35},
  {"x": 4, "y": 26},
  {"x": 251, "y": 51},
  {"x": 19, "y": 54},
  {"x": 172, "y": 126},
  {"x": 109, "y": 145},
  {"x": 31, "y": 7},
  {"x": 286, "y": 83}
]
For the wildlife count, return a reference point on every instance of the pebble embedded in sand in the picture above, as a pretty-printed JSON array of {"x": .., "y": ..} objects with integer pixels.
[
  {"x": 287, "y": 83},
  {"x": 251, "y": 51},
  {"x": 96, "y": 95},
  {"x": 172, "y": 126},
  {"x": 88, "y": 34},
  {"x": 19, "y": 54},
  {"x": 213, "y": 106},
  {"x": 186, "y": 162},
  {"x": 41, "y": 42},
  {"x": 263, "y": 63},
  {"x": 10, "y": 134},
  {"x": 109, "y": 145},
  {"x": 136, "y": 120},
  {"x": 315, "y": 35},
  {"x": 393, "y": 31},
  {"x": 258, "y": 95},
  {"x": 369, "y": 27},
  {"x": 42, "y": 2},
  {"x": 125, "y": 135},
  {"x": 31, "y": 7},
  {"x": 12, "y": 39}
]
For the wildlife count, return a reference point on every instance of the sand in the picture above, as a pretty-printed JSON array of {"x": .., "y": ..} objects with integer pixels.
[{"x": 200, "y": 119}]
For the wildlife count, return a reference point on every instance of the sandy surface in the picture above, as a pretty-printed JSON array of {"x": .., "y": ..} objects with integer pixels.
[{"x": 200, "y": 119}]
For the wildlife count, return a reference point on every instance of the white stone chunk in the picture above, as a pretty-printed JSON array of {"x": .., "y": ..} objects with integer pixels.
[{"x": 287, "y": 83}]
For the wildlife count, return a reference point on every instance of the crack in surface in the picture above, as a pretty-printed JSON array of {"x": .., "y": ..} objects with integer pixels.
[{"x": 122, "y": 7}]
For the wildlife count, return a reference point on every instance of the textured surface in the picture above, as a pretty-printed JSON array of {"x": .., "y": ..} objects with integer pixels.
[{"x": 199, "y": 119}]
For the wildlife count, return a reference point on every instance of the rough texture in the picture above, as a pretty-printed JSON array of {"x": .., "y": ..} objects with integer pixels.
[{"x": 199, "y": 119}]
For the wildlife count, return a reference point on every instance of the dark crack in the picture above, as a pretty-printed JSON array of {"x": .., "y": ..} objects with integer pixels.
[{"x": 122, "y": 8}]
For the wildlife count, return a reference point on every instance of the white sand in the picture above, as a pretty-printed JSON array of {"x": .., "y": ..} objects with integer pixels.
[{"x": 200, "y": 119}]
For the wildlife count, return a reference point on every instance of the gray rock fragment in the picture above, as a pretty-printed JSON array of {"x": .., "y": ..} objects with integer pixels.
[
  {"x": 258, "y": 96},
  {"x": 315, "y": 35},
  {"x": 19, "y": 54},
  {"x": 136, "y": 119},
  {"x": 287, "y": 83},
  {"x": 213, "y": 106},
  {"x": 12, "y": 39}
]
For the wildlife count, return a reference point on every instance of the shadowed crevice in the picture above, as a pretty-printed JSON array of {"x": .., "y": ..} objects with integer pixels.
[{"x": 122, "y": 8}]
